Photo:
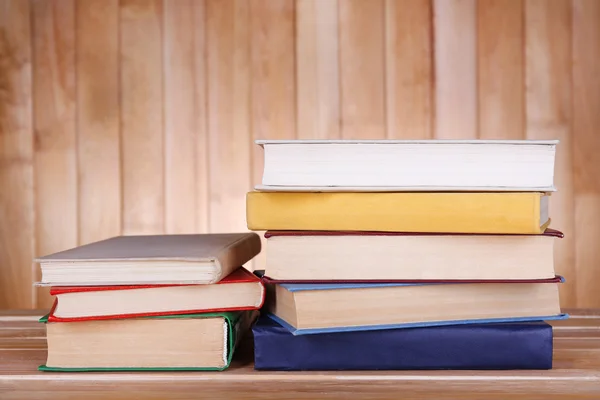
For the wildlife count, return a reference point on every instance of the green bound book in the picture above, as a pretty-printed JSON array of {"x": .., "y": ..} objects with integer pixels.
[{"x": 192, "y": 342}]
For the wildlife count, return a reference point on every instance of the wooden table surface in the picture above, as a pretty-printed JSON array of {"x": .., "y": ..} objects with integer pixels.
[{"x": 576, "y": 374}]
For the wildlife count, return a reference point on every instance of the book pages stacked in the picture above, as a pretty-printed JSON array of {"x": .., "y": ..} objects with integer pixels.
[
  {"x": 389, "y": 254},
  {"x": 148, "y": 303}
]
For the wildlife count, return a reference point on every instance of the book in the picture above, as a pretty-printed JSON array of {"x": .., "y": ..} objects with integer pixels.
[
  {"x": 349, "y": 255},
  {"x": 150, "y": 259},
  {"x": 408, "y": 165},
  {"x": 516, "y": 345},
  {"x": 176, "y": 342},
  {"x": 519, "y": 213},
  {"x": 317, "y": 308},
  {"x": 267, "y": 280},
  {"x": 240, "y": 290}
]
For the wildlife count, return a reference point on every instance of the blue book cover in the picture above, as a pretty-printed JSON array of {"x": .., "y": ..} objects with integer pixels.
[
  {"x": 295, "y": 287},
  {"x": 301, "y": 287},
  {"x": 314, "y": 331},
  {"x": 501, "y": 346}
]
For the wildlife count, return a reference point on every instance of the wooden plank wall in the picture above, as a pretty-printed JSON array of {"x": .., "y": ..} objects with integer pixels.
[{"x": 138, "y": 116}]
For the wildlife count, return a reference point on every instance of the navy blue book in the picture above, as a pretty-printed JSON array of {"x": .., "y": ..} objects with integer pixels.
[{"x": 515, "y": 345}]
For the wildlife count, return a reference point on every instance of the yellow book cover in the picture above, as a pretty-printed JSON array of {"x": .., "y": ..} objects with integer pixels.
[{"x": 458, "y": 212}]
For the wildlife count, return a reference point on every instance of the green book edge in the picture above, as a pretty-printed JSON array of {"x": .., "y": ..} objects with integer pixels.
[{"x": 233, "y": 319}]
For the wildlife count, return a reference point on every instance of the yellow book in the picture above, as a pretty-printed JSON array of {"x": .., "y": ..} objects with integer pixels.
[{"x": 485, "y": 212}]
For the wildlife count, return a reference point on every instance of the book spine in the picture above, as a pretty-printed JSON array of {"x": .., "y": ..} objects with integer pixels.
[{"x": 467, "y": 347}]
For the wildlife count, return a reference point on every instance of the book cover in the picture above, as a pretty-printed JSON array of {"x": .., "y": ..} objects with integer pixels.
[
  {"x": 186, "y": 247},
  {"x": 511, "y": 213},
  {"x": 273, "y": 233},
  {"x": 270, "y": 281},
  {"x": 174, "y": 259},
  {"x": 371, "y": 256},
  {"x": 240, "y": 275},
  {"x": 365, "y": 328},
  {"x": 331, "y": 285},
  {"x": 237, "y": 324},
  {"x": 517, "y": 345},
  {"x": 551, "y": 313}
]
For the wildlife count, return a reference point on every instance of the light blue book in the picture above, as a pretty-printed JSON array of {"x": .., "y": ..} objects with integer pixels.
[{"x": 304, "y": 309}]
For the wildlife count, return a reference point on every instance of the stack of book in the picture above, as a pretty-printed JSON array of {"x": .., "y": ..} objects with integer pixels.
[
  {"x": 164, "y": 302},
  {"x": 406, "y": 255}
]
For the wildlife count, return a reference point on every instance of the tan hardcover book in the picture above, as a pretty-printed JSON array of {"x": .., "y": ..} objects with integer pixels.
[
  {"x": 204, "y": 341},
  {"x": 356, "y": 256},
  {"x": 150, "y": 259},
  {"x": 323, "y": 307}
]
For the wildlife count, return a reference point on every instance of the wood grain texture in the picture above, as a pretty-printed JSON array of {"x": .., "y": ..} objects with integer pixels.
[
  {"x": 98, "y": 113},
  {"x": 139, "y": 116},
  {"x": 586, "y": 147},
  {"x": 179, "y": 118},
  {"x": 409, "y": 69},
  {"x": 362, "y": 69},
  {"x": 200, "y": 112},
  {"x": 142, "y": 116},
  {"x": 55, "y": 133},
  {"x": 586, "y": 95},
  {"x": 575, "y": 374},
  {"x": 273, "y": 92},
  {"x": 228, "y": 72},
  {"x": 273, "y": 89},
  {"x": 500, "y": 69},
  {"x": 587, "y": 251},
  {"x": 548, "y": 104},
  {"x": 16, "y": 156},
  {"x": 455, "y": 48},
  {"x": 317, "y": 69}
]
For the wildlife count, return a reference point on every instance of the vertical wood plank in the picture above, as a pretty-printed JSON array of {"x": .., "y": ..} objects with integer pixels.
[
  {"x": 317, "y": 69},
  {"x": 587, "y": 252},
  {"x": 500, "y": 69},
  {"x": 273, "y": 91},
  {"x": 55, "y": 150},
  {"x": 548, "y": 104},
  {"x": 362, "y": 69},
  {"x": 142, "y": 116},
  {"x": 200, "y": 112},
  {"x": 180, "y": 135},
  {"x": 98, "y": 141},
  {"x": 228, "y": 71},
  {"x": 586, "y": 120},
  {"x": 455, "y": 69},
  {"x": 409, "y": 69},
  {"x": 16, "y": 156}
]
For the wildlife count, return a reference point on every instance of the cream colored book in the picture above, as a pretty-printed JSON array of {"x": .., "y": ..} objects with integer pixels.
[
  {"x": 356, "y": 256},
  {"x": 240, "y": 290},
  {"x": 151, "y": 259},
  {"x": 318, "y": 308},
  {"x": 176, "y": 342}
]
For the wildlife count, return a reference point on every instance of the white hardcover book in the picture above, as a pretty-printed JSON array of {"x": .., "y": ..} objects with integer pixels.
[{"x": 408, "y": 165}]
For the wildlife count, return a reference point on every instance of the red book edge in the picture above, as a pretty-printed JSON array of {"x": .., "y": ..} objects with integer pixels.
[
  {"x": 548, "y": 232},
  {"x": 53, "y": 318},
  {"x": 235, "y": 277},
  {"x": 240, "y": 275},
  {"x": 270, "y": 281}
]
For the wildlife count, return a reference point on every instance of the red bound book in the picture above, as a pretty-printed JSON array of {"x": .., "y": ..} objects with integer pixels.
[
  {"x": 240, "y": 290},
  {"x": 350, "y": 256}
]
